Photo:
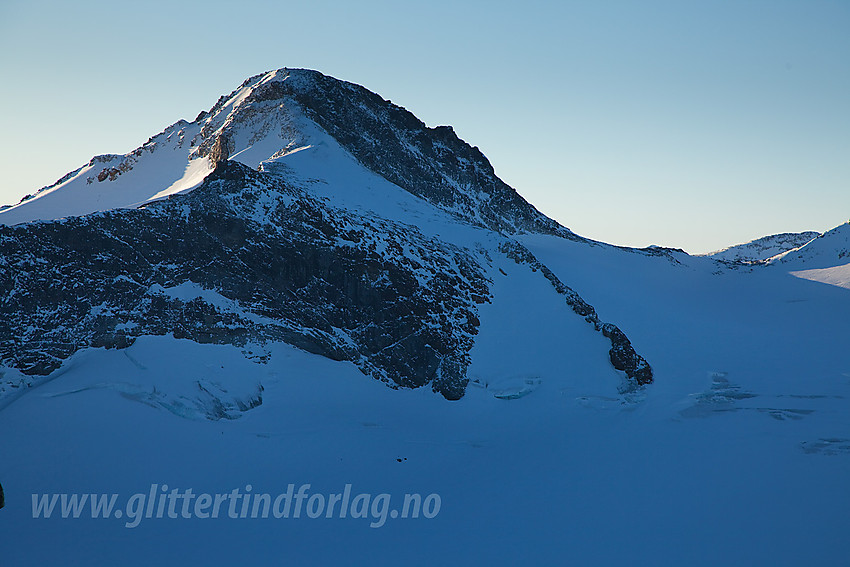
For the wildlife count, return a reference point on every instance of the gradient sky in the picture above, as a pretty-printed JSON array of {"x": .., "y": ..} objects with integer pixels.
[{"x": 687, "y": 124}]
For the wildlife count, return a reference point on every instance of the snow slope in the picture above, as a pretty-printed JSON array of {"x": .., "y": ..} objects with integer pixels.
[
  {"x": 825, "y": 259},
  {"x": 828, "y": 250},
  {"x": 169, "y": 163},
  {"x": 164, "y": 166}
]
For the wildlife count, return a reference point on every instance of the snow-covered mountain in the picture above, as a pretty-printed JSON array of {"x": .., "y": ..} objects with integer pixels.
[
  {"x": 211, "y": 311},
  {"x": 374, "y": 244},
  {"x": 764, "y": 248}
]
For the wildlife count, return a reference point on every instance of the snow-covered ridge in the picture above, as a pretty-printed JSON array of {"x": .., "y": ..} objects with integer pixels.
[
  {"x": 825, "y": 259},
  {"x": 164, "y": 165},
  {"x": 828, "y": 250},
  {"x": 813, "y": 256},
  {"x": 171, "y": 162},
  {"x": 764, "y": 248}
]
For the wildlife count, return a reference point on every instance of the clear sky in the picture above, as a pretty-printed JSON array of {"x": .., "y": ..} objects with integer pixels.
[{"x": 688, "y": 124}]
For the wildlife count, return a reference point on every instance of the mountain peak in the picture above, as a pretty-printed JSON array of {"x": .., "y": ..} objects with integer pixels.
[
  {"x": 299, "y": 209},
  {"x": 278, "y": 113},
  {"x": 431, "y": 163}
]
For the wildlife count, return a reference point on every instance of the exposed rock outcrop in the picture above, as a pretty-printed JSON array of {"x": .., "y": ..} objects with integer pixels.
[
  {"x": 222, "y": 148},
  {"x": 203, "y": 266}
]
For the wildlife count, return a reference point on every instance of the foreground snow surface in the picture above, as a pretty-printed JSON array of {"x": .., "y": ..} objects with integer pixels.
[{"x": 739, "y": 454}]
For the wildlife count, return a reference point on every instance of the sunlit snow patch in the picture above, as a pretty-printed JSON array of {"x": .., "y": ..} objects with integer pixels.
[
  {"x": 195, "y": 173},
  {"x": 836, "y": 275}
]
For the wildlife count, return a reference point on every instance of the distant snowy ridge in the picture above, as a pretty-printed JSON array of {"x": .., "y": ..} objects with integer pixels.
[
  {"x": 825, "y": 259},
  {"x": 810, "y": 255},
  {"x": 828, "y": 250},
  {"x": 764, "y": 248}
]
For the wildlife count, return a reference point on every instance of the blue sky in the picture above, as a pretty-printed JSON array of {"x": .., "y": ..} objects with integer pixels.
[{"x": 688, "y": 124}]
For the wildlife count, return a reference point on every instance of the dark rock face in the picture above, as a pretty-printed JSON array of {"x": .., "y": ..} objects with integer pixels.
[
  {"x": 242, "y": 259},
  {"x": 623, "y": 355},
  {"x": 221, "y": 149}
]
